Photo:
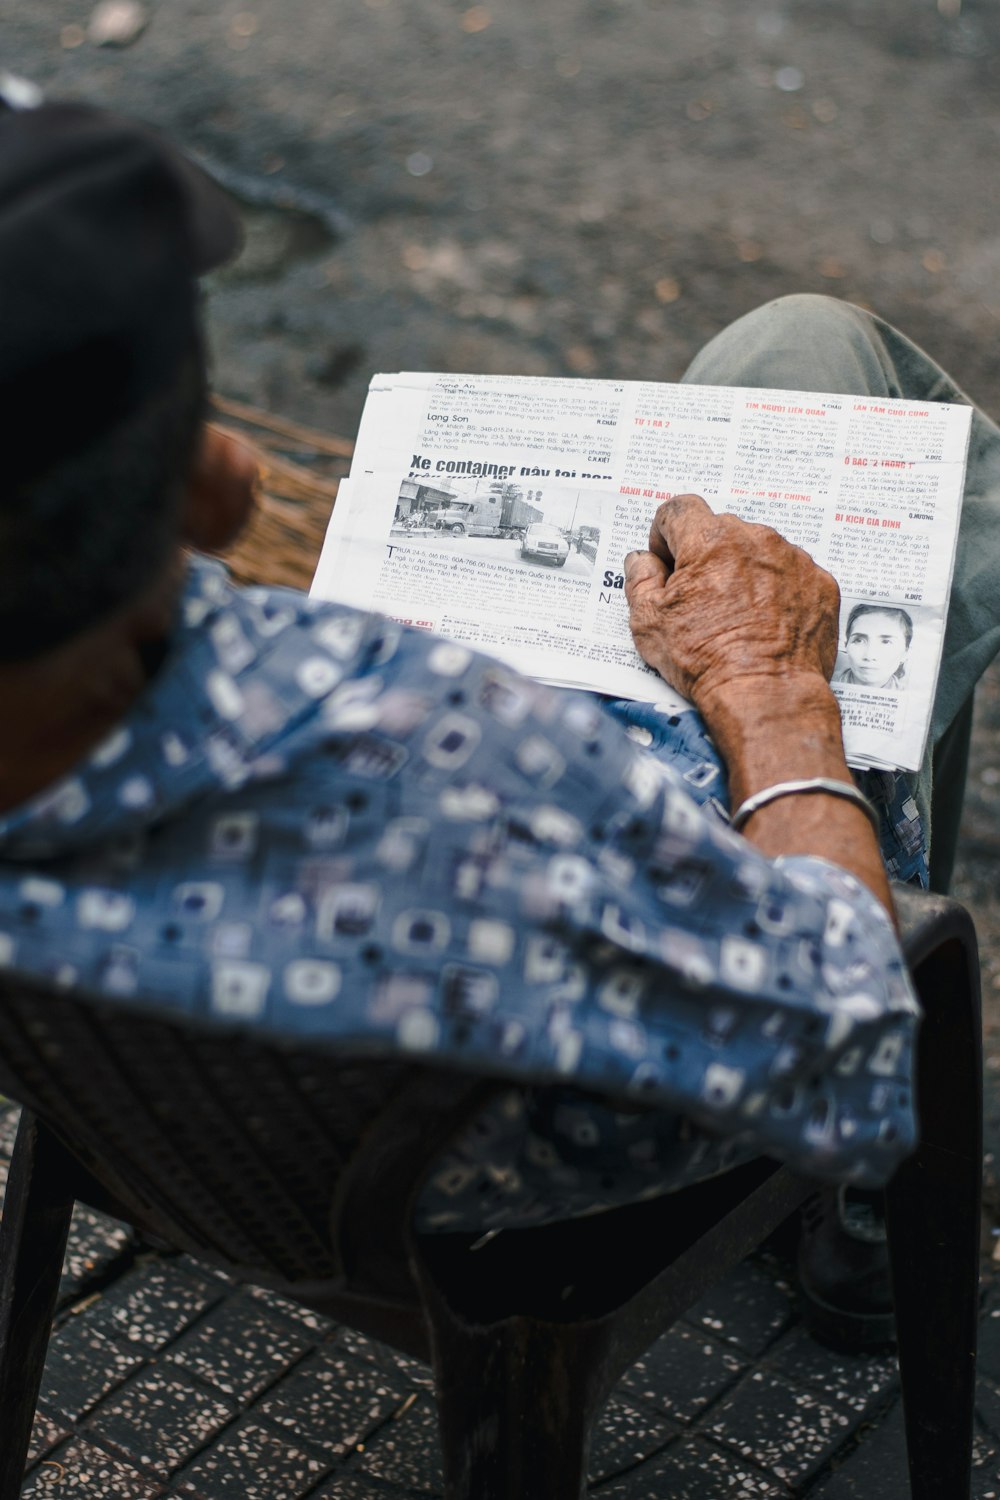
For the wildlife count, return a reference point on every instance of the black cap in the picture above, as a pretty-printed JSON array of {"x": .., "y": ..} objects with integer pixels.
[{"x": 104, "y": 228}]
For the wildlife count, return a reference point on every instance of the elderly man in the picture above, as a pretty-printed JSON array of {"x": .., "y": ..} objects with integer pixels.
[{"x": 261, "y": 811}]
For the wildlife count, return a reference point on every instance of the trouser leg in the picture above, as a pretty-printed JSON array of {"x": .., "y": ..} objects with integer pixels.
[
  {"x": 950, "y": 769},
  {"x": 814, "y": 343}
]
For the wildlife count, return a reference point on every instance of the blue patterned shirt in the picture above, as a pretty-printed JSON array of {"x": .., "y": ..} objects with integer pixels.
[{"x": 319, "y": 824}]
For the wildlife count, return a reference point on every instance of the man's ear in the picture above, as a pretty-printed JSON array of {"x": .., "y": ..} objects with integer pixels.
[{"x": 220, "y": 491}]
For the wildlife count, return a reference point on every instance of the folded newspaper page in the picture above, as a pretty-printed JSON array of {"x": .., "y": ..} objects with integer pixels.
[{"x": 498, "y": 510}]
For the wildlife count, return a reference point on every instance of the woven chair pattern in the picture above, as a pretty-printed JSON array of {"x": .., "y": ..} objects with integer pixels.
[{"x": 260, "y": 1196}]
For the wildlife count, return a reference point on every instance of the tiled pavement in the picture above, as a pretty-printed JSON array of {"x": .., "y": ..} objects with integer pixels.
[{"x": 165, "y": 1378}]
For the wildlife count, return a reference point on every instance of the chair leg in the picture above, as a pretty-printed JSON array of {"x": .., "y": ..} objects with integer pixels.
[
  {"x": 36, "y": 1216},
  {"x": 933, "y": 1209},
  {"x": 517, "y": 1400},
  {"x": 514, "y": 1411}
]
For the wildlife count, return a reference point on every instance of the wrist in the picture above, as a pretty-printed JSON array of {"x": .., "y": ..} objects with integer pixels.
[
  {"x": 770, "y": 728},
  {"x": 808, "y": 786}
]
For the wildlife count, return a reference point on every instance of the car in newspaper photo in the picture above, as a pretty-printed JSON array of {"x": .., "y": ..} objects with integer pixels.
[{"x": 546, "y": 543}]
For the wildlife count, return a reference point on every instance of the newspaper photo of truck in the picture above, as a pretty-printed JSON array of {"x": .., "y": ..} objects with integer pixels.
[
  {"x": 541, "y": 529},
  {"x": 501, "y": 515}
]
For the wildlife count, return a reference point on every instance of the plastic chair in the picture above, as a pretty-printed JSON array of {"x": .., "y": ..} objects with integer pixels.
[{"x": 299, "y": 1171}]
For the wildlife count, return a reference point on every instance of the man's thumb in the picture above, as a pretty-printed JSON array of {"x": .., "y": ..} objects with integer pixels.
[{"x": 643, "y": 570}]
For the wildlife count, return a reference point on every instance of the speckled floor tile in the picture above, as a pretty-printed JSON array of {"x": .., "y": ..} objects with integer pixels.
[
  {"x": 360, "y": 1487},
  {"x": 749, "y": 1309},
  {"x": 682, "y": 1372},
  {"x": 239, "y": 1347},
  {"x": 407, "y": 1450},
  {"x": 95, "y": 1242},
  {"x": 858, "y": 1381},
  {"x": 987, "y": 1417},
  {"x": 46, "y": 1433},
  {"x": 82, "y": 1471},
  {"x": 876, "y": 1466},
  {"x": 333, "y": 1401},
  {"x": 153, "y": 1303},
  {"x": 206, "y": 1270},
  {"x": 785, "y": 1430},
  {"x": 625, "y": 1435},
  {"x": 693, "y": 1471},
  {"x": 985, "y": 1470},
  {"x": 252, "y": 1462},
  {"x": 81, "y": 1366},
  {"x": 986, "y": 1483},
  {"x": 412, "y": 1370},
  {"x": 161, "y": 1418},
  {"x": 319, "y": 1326}
]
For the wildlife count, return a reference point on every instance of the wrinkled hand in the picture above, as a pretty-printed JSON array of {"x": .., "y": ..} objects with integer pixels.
[{"x": 716, "y": 599}]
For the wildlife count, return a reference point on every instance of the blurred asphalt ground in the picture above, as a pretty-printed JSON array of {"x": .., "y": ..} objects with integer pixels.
[{"x": 591, "y": 188}]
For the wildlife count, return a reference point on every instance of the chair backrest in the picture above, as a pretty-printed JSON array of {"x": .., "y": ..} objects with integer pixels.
[{"x": 236, "y": 1149}]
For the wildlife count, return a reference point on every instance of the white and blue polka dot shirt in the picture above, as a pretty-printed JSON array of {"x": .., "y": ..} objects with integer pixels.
[{"x": 319, "y": 824}]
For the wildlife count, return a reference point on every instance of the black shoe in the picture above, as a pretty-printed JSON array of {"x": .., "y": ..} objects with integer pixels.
[{"x": 843, "y": 1267}]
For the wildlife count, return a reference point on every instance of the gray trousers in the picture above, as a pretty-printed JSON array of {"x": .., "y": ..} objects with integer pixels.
[{"x": 814, "y": 343}]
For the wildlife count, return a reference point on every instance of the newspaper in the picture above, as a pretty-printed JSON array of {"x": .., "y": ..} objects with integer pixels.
[{"x": 497, "y": 511}]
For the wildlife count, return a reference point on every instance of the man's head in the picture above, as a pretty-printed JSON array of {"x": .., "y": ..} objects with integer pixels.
[
  {"x": 104, "y": 230},
  {"x": 877, "y": 640}
]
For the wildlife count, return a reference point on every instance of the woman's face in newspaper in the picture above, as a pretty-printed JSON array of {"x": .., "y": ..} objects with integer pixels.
[{"x": 876, "y": 647}]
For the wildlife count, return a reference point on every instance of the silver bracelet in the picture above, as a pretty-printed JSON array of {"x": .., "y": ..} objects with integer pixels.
[{"x": 846, "y": 789}]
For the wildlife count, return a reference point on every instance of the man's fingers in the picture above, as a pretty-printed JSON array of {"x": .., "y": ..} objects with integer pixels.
[{"x": 678, "y": 525}]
